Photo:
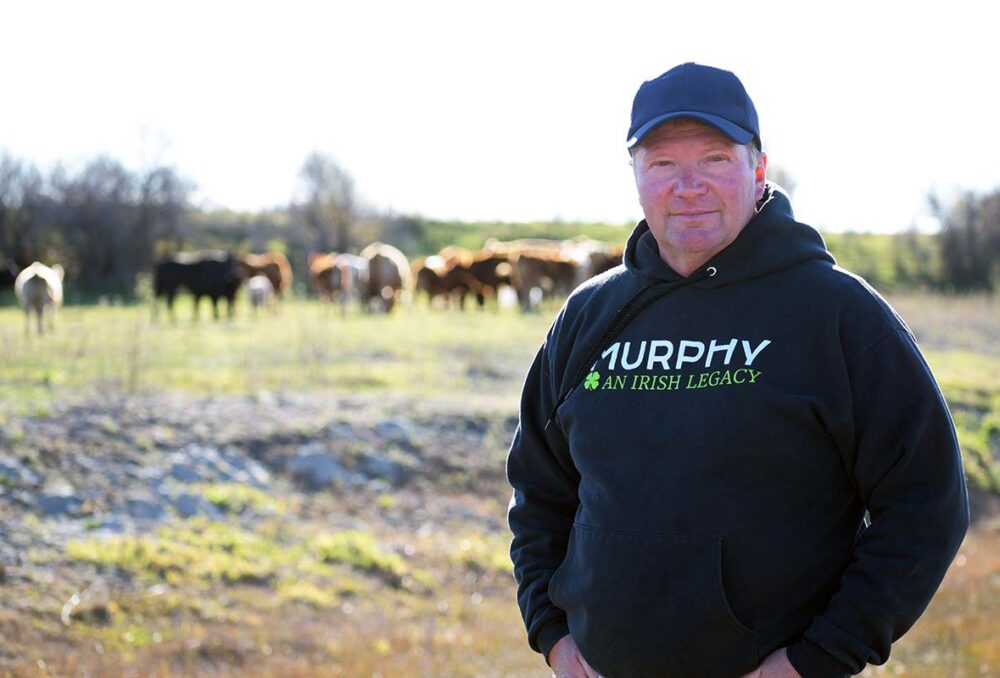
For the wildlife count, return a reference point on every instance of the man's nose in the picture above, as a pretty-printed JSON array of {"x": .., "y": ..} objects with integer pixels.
[{"x": 689, "y": 182}]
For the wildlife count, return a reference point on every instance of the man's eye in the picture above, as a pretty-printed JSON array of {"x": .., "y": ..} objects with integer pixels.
[{"x": 717, "y": 158}]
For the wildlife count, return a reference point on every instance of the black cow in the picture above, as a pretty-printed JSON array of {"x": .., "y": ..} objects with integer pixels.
[
  {"x": 212, "y": 273},
  {"x": 8, "y": 274}
]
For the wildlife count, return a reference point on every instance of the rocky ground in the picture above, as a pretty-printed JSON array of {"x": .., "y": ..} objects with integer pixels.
[
  {"x": 409, "y": 472},
  {"x": 125, "y": 463}
]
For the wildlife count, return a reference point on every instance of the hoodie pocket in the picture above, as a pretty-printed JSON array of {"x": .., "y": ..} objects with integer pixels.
[{"x": 651, "y": 605}]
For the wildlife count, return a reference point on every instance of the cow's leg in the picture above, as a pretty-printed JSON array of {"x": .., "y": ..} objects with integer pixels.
[
  {"x": 170, "y": 306},
  {"x": 215, "y": 307},
  {"x": 524, "y": 297},
  {"x": 197, "y": 303},
  {"x": 39, "y": 311}
]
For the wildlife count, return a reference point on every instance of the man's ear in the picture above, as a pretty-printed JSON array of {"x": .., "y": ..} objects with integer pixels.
[{"x": 760, "y": 175}]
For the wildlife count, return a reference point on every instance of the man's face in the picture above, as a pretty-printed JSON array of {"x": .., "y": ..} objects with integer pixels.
[{"x": 697, "y": 190}]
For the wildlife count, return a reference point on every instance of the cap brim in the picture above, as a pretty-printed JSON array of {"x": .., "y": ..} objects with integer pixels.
[{"x": 734, "y": 132}]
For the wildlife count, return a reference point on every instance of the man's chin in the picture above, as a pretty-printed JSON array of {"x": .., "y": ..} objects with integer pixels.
[{"x": 697, "y": 239}]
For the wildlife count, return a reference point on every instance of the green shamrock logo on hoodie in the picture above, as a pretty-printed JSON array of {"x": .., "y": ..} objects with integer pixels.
[{"x": 592, "y": 382}]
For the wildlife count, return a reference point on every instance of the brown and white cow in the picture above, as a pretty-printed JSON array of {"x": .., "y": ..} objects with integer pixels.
[
  {"x": 442, "y": 279},
  {"x": 543, "y": 268},
  {"x": 274, "y": 265},
  {"x": 542, "y": 273},
  {"x": 483, "y": 272},
  {"x": 339, "y": 277},
  {"x": 388, "y": 276}
]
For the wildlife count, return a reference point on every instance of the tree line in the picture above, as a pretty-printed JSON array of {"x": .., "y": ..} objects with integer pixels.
[
  {"x": 107, "y": 225},
  {"x": 102, "y": 223}
]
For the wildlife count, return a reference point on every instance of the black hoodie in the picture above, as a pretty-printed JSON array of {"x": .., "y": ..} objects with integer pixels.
[{"x": 698, "y": 498}]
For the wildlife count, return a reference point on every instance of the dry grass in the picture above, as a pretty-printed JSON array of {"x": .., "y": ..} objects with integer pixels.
[
  {"x": 959, "y": 634},
  {"x": 306, "y": 346},
  {"x": 945, "y": 323}
]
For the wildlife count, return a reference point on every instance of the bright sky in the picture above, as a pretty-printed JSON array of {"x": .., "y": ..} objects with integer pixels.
[{"x": 510, "y": 111}]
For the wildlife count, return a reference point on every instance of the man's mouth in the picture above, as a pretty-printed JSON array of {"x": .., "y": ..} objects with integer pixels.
[{"x": 692, "y": 213}]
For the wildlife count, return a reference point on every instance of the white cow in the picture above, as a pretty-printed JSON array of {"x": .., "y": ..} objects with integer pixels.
[
  {"x": 260, "y": 292},
  {"x": 39, "y": 289}
]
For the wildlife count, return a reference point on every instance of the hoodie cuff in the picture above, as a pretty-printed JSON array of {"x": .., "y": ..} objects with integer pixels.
[
  {"x": 549, "y": 635},
  {"x": 812, "y": 661}
]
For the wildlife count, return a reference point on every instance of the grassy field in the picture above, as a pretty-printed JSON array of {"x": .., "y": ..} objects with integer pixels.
[
  {"x": 402, "y": 581},
  {"x": 303, "y": 346}
]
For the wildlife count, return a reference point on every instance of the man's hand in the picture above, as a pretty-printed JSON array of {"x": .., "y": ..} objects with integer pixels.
[
  {"x": 567, "y": 662},
  {"x": 775, "y": 665}
]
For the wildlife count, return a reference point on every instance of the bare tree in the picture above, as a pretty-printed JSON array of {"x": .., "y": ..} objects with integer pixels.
[
  {"x": 163, "y": 202},
  {"x": 26, "y": 213},
  {"x": 970, "y": 242},
  {"x": 111, "y": 220},
  {"x": 98, "y": 221},
  {"x": 915, "y": 260},
  {"x": 327, "y": 209},
  {"x": 103, "y": 223}
]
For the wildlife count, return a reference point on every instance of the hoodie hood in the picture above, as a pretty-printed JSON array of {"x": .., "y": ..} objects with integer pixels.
[{"x": 771, "y": 241}]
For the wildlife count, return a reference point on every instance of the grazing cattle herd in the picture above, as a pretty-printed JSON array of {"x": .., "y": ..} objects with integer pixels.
[
  {"x": 533, "y": 269},
  {"x": 375, "y": 280}
]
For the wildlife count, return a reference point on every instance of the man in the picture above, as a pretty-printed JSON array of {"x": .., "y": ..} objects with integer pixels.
[{"x": 731, "y": 457}]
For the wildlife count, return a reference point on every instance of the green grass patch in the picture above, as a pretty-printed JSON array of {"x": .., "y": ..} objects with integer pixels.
[
  {"x": 361, "y": 551},
  {"x": 963, "y": 372},
  {"x": 237, "y": 498},
  {"x": 971, "y": 385},
  {"x": 486, "y": 552},
  {"x": 978, "y": 437},
  {"x": 307, "y": 592},
  {"x": 197, "y": 550},
  {"x": 202, "y": 551}
]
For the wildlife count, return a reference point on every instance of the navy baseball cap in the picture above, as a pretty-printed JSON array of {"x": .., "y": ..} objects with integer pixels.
[{"x": 691, "y": 90}]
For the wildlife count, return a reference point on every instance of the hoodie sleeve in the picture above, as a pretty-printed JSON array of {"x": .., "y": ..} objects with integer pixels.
[
  {"x": 901, "y": 447},
  {"x": 543, "y": 506}
]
